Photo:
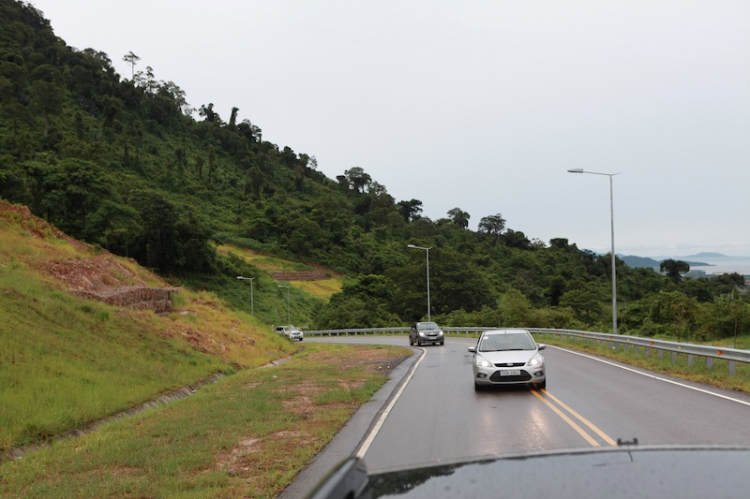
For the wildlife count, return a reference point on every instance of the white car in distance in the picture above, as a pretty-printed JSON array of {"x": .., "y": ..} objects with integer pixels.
[{"x": 290, "y": 332}]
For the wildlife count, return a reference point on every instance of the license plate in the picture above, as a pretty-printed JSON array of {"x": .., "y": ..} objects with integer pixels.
[{"x": 514, "y": 372}]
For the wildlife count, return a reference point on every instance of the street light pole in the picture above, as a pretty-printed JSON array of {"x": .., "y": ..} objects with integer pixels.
[
  {"x": 288, "y": 305},
  {"x": 612, "y": 226},
  {"x": 252, "y": 301},
  {"x": 427, "y": 252}
]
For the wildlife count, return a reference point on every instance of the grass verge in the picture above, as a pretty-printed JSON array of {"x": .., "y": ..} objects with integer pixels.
[
  {"x": 246, "y": 436},
  {"x": 66, "y": 361}
]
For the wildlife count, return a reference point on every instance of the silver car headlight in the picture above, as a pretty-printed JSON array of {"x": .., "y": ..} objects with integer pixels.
[
  {"x": 483, "y": 362},
  {"x": 536, "y": 360}
]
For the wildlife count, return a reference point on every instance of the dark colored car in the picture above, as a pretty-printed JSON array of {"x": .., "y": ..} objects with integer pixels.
[
  {"x": 426, "y": 333},
  {"x": 623, "y": 472}
]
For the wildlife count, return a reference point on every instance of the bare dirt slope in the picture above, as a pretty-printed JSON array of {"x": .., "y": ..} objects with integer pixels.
[{"x": 87, "y": 271}]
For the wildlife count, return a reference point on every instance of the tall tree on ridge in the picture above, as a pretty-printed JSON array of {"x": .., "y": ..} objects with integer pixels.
[{"x": 131, "y": 59}]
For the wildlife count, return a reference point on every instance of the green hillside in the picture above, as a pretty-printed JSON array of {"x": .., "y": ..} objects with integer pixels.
[
  {"x": 123, "y": 164},
  {"x": 70, "y": 362},
  {"x": 62, "y": 353}
]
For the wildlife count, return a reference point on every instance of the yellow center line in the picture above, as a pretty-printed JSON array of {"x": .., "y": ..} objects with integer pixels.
[
  {"x": 565, "y": 418},
  {"x": 580, "y": 418}
]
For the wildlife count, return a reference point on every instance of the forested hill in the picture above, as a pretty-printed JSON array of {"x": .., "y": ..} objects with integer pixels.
[
  {"x": 120, "y": 162},
  {"x": 124, "y": 162}
]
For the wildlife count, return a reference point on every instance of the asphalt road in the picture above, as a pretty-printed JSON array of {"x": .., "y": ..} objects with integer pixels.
[{"x": 435, "y": 415}]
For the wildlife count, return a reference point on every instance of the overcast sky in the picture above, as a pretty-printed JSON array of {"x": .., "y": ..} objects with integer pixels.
[{"x": 480, "y": 105}]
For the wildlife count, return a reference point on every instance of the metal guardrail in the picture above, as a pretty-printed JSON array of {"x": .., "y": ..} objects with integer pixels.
[
  {"x": 389, "y": 330},
  {"x": 634, "y": 343},
  {"x": 357, "y": 331}
]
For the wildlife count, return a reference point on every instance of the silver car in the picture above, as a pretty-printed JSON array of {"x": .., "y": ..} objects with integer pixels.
[
  {"x": 508, "y": 357},
  {"x": 290, "y": 332}
]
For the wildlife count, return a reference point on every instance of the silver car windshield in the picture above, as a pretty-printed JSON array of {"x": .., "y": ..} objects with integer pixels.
[
  {"x": 504, "y": 342},
  {"x": 427, "y": 326}
]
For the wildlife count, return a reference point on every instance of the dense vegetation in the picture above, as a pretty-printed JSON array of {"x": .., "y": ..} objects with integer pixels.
[{"x": 123, "y": 163}]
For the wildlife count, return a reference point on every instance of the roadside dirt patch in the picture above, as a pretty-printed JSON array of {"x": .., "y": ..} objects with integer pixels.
[
  {"x": 87, "y": 271},
  {"x": 372, "y": 359},
  {"x": 302, "y": 399},
  {"x": 234, "y": 461},
  {"x": 302, "y": 403},
  {"x": 97, "y": 273}
]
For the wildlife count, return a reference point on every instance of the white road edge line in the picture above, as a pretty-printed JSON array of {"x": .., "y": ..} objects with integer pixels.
[
  {"x": 375, "y": 429},
  {"x": 653, "y": 376}
]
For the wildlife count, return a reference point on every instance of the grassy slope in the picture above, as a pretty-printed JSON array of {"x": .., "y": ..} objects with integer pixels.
[
  {"x": 66, "y": 361},
  {"x": 323, "y": 289},
  {"x": 320, "y": 289},
  {"x": 246, "y": 436}
]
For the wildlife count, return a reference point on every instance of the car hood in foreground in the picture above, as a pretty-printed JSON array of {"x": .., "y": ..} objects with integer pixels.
[{"x": 615, "y": 472}]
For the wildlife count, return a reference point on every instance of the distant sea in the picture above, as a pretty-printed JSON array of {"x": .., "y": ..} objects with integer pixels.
[
  {"x": 720, "y": 264},
  {"x": 716, "y": 263}
]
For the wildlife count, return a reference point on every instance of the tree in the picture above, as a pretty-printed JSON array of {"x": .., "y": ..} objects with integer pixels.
[
  {"x": 584, "y": 303},
  {"x": 358, "y": 179},
  {"x": 457, "y": 284},
  {"x": 673, "y": 308},
  {"x": 50, "y": 99},
  {"x": 178, "y": 96},
  {"x": 233, "y": 117},
  {"x": 73, "y": 190},
  {"x": 516, "y": 239},
  {"x": 47, "y": 92},
  {"x": 131, "y": 59},
  {"x": 459, "y": 217},
  {"x": 556, "y": 288},
  {"x": 410, "y": 210},
  {"x": 208, "y": 113},
  {"x": 515, "y": 308},
  {"x": 255, "y": 179},
  {"x": 158, "y": 245},
  {"x": 249, "y": 131},
  {"x": 492, "y": 225},
  {"x": 14, "y": 89},
  {"x": 674, "y": 269},
  {"x": 112, "y": 109},
  {"x": 146, "y": 80},
  {"x": 728, "y": 316}
]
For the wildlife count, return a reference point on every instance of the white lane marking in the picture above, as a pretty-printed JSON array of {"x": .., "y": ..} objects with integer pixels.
[
  {"x": 653, "y": 376},
  {"x": 375, "y": 429}
]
